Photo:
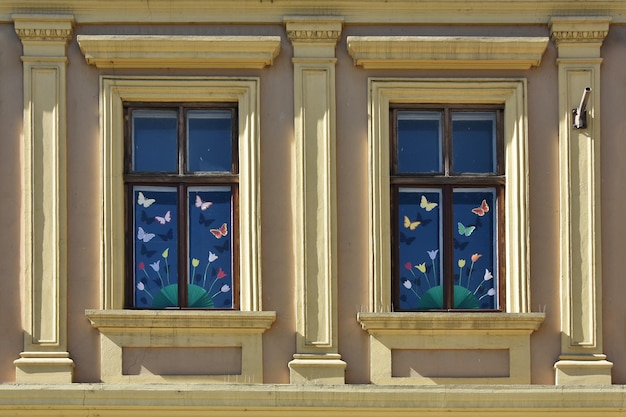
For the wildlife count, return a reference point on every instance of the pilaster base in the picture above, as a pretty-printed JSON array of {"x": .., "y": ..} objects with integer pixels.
[
  {"x": 582, "y": 370},
  {"x": 44, "y": 368},
  {"x": 317, "y": 369}
]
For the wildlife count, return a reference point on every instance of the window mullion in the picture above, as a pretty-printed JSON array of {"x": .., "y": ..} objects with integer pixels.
[{"x": 448, "y": 247}]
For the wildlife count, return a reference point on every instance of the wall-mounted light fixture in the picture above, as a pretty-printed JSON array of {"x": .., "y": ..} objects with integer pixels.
[{"x": 580, "y": 114}]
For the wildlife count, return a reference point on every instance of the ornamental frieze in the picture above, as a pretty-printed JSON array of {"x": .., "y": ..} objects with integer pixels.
[
  {"x": 579, "y": 36},
  {"x": 313, "y": 35},
  {"x": 30, "y": 34}
]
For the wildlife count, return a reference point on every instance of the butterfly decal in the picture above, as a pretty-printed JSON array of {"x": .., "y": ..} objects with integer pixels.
[
  {"x": 221, "y": 232},
  {"x": 145, "y": 251},
  {"x": 144, "y": 236},
  {"x": 204, "y": 220},
  {"x": 460, "y": 245},
  {"x": 167, "y": 236},
  {"x": 202, "y": 205},
  {"x": 145, "y": 218},
  {"x": 406, "y": 240},
  {"x": 466, "y": 230},
  {"x": 167, "y": 217},
  {"x": 427, "y": 205},
  {"x": 222, "y": 248},
  {"x": 142, "y": 200},
  {"x": 409, "y": 224},
  {"x": 480, "y": 211}
]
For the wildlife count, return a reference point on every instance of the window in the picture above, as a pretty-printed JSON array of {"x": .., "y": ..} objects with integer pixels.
[
  {"x": 447, "y": 191},
  {"x": 181, "y": 182}
]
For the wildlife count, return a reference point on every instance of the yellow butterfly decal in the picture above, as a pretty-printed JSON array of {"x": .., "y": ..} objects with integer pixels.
[
  {"x": 408, "y": 224},
  {"x": 427, "y": 205}
]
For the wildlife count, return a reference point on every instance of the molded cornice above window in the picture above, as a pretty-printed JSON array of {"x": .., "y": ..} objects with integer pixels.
[
  {"x": 158, "y": 51},
  {"x": 446, "y": 52}
]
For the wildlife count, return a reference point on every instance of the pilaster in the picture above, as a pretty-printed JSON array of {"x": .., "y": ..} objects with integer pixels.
[
  {"x": 317, "y": 360},
  {"x": 581, "y": 362},
  {"x": 44, "y": 268}
]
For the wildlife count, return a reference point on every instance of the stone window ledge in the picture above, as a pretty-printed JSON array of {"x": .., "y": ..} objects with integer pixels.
[
  {"x": 458, "y": 332},
  {"x": 149, "y": 329}
]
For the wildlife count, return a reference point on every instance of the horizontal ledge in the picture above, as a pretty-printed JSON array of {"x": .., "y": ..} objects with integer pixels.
[
  {"x": 160, "y": 51},
  {"x": 447, "y": 321},
  {"x": 446, "y": 52},
  {"x": 197, "y": 319},
  {"x": 286, "y": 399}
]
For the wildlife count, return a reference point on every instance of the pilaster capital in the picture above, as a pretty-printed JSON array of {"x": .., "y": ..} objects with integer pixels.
[
  {"x": 313, "y": 36},
  {"x": 44, "y": 35},
  {"x": 579, "y": 37}
]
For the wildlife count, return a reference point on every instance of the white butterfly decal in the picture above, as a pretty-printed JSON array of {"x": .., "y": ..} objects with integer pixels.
[
  {"x": 202, "y": 205},
  {"x": 143, "y": 201},
  {"x": 167, "y": 217},
  {"x": 144, "y": 236}
]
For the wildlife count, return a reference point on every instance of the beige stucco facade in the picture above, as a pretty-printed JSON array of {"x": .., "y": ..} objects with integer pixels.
[{"x": 313, "y": 82}]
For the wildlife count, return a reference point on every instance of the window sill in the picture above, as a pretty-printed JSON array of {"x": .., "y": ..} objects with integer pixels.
[
  {"x": 428, "y": 334},
  {"x": 150, "y": 329}
]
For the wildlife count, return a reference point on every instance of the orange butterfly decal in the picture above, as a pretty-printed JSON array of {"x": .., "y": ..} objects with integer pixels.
[
  {"x": 221, "y": 232},
  {"x": 484, "y": 208}
]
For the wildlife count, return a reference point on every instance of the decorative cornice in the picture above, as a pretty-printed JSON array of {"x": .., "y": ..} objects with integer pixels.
[
  {"x": 446, "y": 52},
  {"x": 134, "y": 51}
]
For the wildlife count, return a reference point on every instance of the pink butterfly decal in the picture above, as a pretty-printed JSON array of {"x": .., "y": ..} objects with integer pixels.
[
  {"x": 221, "y": 232},
  {"x": 202, "y": 205},
  {"x": 480, "y": 211},
  {"x": 167, "y": 217}
]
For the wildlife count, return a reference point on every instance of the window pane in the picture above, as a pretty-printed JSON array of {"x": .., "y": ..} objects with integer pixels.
[
  {"x": 419, "y": 249},
  {"x": 474, "y": 142},
  {"x": 155, "y": 247},
  {"x": 209, "y": 146},
  {"x": 475, "y": 243},
  {"x": 210, "y": 247},
  {"x": 155, "y": 147},
  {"x": 419, "y": 142}
]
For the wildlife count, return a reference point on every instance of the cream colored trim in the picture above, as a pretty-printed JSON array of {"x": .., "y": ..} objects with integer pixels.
[
  {"x": 355, "y": 11},
  {"x": 284, "y": 400},
  {"x": 434, "y": 331},
  {"x": 243, "y": 91},
  {"x": 142, "y": 51},
  {"x": 44, "y": 244},
  {"x": 581, "y": 361},
  {"x": 446, "y": 52},
  {"x": 148, "y": 329},
  {"x": 316, "y": 360},
  {"x": 511, "y": 93}
]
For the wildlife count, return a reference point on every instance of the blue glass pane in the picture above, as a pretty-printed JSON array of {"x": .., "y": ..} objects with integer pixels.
[
  {"x": 475, "y": 266},
  {"x": 155, "y": 247},
  {"x": 420, "y": 249},
  {"x": 209, "y": 141},
  {"x": 155, "y": 147},
  {"x": 210, "y": 247},
  {"x": 473, "y": 142},
  {"x": 419, "y": 142}
]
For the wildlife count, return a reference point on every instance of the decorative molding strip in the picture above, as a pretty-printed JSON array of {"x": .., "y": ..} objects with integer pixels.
[
  {"x": 136, "y": 51},
  {"x": 27, "y": 34},
  {"x": 446, "y": 52},
  {"x": 313, "y": 35},
  {"x": 429, "y": 12},
  {"x": 574, "y": 36}
]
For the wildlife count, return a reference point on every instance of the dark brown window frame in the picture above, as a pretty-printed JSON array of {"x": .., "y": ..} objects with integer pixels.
[
  {"x": 182, "y": 180},
  {"x": 447, "y": 181}
]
